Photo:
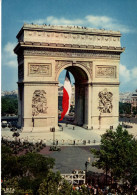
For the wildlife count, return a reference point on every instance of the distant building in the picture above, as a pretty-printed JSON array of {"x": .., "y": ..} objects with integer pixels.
[
  {"x": 60, "y": 95},
  {"x": 134, "y": 100},
  {"x": 125, "y": 97},
  {"x": 13, "y": 92}
]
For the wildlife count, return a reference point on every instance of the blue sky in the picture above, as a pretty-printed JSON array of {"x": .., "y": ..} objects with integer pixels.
[{"x": 109, "y": 14}]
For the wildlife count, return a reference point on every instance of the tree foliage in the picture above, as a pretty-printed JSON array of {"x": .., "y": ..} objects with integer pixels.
[
  {"x": 118, "y": 155},
  {"x": 29, "y": 170},
  {"x": 134, "y": 110},
  {"x": 9, "y": 105},
  {"x": 124, "y": 108}
]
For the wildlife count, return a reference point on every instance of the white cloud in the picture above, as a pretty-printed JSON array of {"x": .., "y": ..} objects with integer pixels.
[
  {"x": 63, "y": 21},
  {"x": 124, "y": 73},
  {"x": 128, "y": 77},
  {"x": 92, "y": 21},
  {"x": 9, "y": 48},
  {"x": 8, "y": 56},
  {"x": 106, "y": 22}
]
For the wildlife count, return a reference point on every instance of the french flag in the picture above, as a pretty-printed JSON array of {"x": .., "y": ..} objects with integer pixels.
[{"x": 66, "y": 96}]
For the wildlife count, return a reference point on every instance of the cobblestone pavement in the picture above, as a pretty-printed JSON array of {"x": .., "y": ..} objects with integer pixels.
[{"x": 77, "y": 136}]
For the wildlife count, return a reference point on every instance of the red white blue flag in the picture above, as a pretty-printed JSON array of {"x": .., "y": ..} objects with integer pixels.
[{"x": 66, "y": 96}]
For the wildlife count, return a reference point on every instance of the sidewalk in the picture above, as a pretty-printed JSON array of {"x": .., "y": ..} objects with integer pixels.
[{"x": 68, "y": 137}]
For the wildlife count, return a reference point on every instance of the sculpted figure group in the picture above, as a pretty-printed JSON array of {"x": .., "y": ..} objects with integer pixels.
[{"x": 105, "y": 101}]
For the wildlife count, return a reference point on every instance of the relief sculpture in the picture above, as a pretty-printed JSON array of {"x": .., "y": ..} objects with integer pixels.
[
  {"x": 87, "y": 65},
  {"x": 39, "y": 102},
  {"x": 60, "y": 64},
  {"x": 105, "y": 101},
  {"x": 106, "y": 71},
  {"x": 38, "y": 69}
]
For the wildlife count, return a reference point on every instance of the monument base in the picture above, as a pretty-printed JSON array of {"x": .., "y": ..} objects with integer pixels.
[{"x": 38, "y": 129}]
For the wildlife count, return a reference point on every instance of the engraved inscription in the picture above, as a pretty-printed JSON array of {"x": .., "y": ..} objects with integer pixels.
[
  {"x": 105, "y": 101},
  {"x": 106, "y": 71},
  {"x": 39, "y": 102},
  {"x": 40, "y": 69}
]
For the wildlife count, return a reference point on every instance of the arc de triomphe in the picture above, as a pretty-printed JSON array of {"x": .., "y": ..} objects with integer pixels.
[{"x": 91, "y": 55}]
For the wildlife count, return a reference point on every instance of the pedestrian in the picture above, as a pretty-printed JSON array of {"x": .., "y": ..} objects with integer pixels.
[
  {"x": 95, "y": 191},
  {"x": 73, "y": 188}
]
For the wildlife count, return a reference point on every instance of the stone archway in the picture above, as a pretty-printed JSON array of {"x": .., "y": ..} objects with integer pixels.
[
  {"x": 82, "y": 80},
  {"x": 91, "y": 55}
]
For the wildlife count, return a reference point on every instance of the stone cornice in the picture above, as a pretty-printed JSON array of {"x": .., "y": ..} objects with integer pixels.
[
  {"x": 68, "y": 29},
  {"x": 38, "y": 82},
  {"x": 96, "y": 84},
  {"x": 67, "y": 46},
  {"x": 105, "y": 83}
]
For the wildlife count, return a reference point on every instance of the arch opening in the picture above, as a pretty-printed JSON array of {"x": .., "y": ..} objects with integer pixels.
[{"x": 78, "y": 114}]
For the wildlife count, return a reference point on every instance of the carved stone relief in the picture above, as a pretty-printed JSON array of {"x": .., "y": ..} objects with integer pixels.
[
  {"x": 87, "y": 65},
  {"x": 39, "y": 102},
  {"x": 21, "y": 71},
  {"x": 71, "y": 54},
  {"x": 106, "y": 71},
  {"x": 105, "y": 101},
  {"x": 60, "y": 64},
  {"x": 72, "y": 36},
  {"x": 40, "y": 69}
]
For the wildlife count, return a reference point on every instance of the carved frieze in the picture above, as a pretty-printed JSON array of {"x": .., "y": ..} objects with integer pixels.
[
  {"x": 106, "y": 71},
  {"x": 39, "y": 102},
  {"x": 40, "y": 70},
  {"x": 21, "y": 71},
  {"x": 105, "y": 101},
  {"x": 71, "y": 36},
  {"x": 71, "y": 54}
]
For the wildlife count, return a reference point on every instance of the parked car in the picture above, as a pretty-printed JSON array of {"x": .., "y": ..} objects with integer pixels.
[{"x": 4, "y": 124}]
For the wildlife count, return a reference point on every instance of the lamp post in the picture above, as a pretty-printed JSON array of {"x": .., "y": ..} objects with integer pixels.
[
  {"x": 53, "y": 130},
  {"x": 86, "y": 168}
]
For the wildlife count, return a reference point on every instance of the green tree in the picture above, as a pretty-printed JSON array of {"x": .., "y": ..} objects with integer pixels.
[
  {"x": 50, "y": 184},
  {"x": 29, "y": 170},
  {"x": 134, "y": 110},
  {"x": 65, "y": 188},
  {"x": 124, "y": 108},
  {"x": 10, "y": 165},
  {"x": 118, "y": 155},
  {"x": 9, "y": 105},
  {"x": 35, "y": 164}
]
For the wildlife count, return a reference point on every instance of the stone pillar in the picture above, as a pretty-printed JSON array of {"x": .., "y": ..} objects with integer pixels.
[
  {"x": 87, "y": 109},
  {"x": 41, "y": 107},
  {"x": 20, "y": 104},
  {"x": 104, "y": 108},
  {"x": 79, "y": 104}
]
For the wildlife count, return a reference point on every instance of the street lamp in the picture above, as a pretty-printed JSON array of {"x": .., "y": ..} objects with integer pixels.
[
  {"x": 86, "y": 167},
  {"x": 53, "y": 130}
]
